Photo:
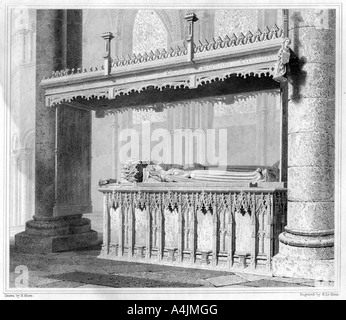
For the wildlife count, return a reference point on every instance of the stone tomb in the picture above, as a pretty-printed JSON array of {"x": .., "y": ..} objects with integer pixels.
[{"x": 205, "y": 227}]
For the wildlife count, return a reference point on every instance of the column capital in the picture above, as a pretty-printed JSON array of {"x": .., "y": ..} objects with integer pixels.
[{"x": 107, "y": 36}]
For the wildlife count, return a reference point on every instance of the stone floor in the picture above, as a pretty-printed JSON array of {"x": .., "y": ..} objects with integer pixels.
[{"x": 82, "y": 269}]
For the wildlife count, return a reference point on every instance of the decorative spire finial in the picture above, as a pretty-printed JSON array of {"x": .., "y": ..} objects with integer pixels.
[
  {"x": 191, "y": 18},
  {"x": 108, "y": 36}
]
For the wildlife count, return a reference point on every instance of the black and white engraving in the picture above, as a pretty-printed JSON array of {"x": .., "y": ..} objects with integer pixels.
[{"x": 159, "y": 147}]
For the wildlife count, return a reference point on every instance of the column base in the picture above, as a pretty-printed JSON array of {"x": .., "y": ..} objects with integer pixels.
[
  {"x": 306, "y": 255},
  {"x": 52, "y": 235},
  {"x": 321, "y": 270},
  {"x": 307, "y": 245}
]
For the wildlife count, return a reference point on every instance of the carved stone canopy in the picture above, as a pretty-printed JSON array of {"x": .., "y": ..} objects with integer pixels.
[{"x": 223, "y": 66}]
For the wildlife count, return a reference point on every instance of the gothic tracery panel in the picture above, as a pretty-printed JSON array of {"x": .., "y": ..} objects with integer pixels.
[
  {"x": 235, "y": 21},
  {"x": 149, "y": 32},
  {"x": 139, "y": 116}
]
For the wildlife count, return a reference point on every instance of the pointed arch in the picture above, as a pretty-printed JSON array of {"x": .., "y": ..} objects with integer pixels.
[
  {"x": 149, "y": 32},
  {"x": 28, "y": 141},
  {"x": 174, "y": 24}
]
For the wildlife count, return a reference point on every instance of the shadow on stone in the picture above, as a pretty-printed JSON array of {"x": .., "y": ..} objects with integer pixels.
[
  {"x": 296, "y": 75},
  {"x": 271, "y": 284}
]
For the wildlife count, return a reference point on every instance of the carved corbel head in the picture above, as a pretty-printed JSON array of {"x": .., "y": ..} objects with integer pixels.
[{"x": 287, "y": 41}]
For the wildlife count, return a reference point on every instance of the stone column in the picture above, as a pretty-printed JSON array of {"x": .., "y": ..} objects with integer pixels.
[
  {"x": 49, "y": 232},
  {"x": 307, "y": 245},
  {"x": 115, "y": 162},
  {"x": 117, "y": 157},
  {"x": 261, "y": 130}
]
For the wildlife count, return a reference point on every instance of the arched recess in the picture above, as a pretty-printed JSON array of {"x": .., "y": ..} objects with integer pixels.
[
  {"x": 28, "y": 141},
  {"x": 149, "y": 32},
  {"x": 21, "y": 19},
  {"x": 173, "y": 21}
]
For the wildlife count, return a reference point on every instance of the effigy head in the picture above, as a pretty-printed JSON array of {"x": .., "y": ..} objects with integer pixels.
[
  {"x": 286, "y": 42},
  {"x": 132, "y": 171}
]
